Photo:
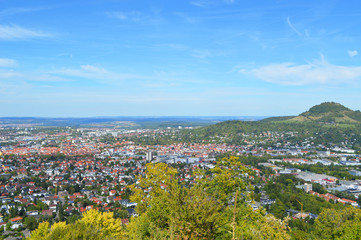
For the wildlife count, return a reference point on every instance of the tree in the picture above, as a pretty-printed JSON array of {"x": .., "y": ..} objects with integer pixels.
[
  {"x": 197, "y": 212},
  {"x": 180, "y": 213},
  {"x": 257, "y": 225},
  {"x": 60, "y": 212},
  {"x": 157, "y": 177},
  {"x": 105, "y": 221},
  {"x": 226, "y": 178},
  {"x": 93, "y": 225},
  {"x": 8, "y": 226},
  {"x": 31, "y": 223},
  {"x": 42, "y": 232},
  {"x": 318, "y": 188},
  {"x": 339, "y": 224}
]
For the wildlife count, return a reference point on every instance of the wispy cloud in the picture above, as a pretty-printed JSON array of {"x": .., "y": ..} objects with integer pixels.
[
  {"x": 12, "y": 11},
  {"x": 352, "y": 53},
  {"x": 185, "y": 17},
  {"x": 85, "y": 71},
  {"x": 293, "y": 27},
  {"x": 93, "y": 69},
  {"x": 174, "y": 46},
  {"x": 18, "y": 76},
  {"x": 48, "y": 78},
  {"x": 154, "y": 18},
  {"x": 14, "y": 32},
  {"x": 130, "y": 16},
  {"x": 6, "y": 74},
  {"x": 202, "y": 3},
  {"x": 69, "y": 55},
  {"x": 93, "y": 72},
  {"x": 208, "y": 3},
  {"x": 118, "y": 15},
  {"x": 206, "y": 53},
  {"x": 6, "y": 62},
  {"x": 316, "y": 72}
]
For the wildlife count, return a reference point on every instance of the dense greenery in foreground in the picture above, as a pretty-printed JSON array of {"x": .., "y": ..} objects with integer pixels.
[
  {"x": 214, "y": 207},
  {"x": 211, "y": 208}
]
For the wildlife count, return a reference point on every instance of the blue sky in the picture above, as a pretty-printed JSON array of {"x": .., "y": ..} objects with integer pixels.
[{"x": 174, "y": 58}]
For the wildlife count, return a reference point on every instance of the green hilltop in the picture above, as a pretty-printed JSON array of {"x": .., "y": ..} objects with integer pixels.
[{"x": 327, "y": 112}]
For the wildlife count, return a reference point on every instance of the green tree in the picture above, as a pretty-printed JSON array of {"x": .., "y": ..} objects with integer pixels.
[
  {"x": 227, "y": 177},
  {"x": 93, "y": 225},
  {"x": 197, "y": 212},
  {"x": 31, "y": 223},
  {"x": 339, "y": 224}
]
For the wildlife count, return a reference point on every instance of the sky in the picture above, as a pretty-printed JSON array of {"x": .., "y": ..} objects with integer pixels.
[{"x": 83, "y": 58}]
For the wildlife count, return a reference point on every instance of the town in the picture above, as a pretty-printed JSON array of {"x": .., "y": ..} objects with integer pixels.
[{"x": 57, "y": 173}]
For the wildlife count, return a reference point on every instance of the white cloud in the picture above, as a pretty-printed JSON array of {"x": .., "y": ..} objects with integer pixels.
[
  {"x": 47, "y": 78},
  {"x": 293, "y": 27},
  {"x": 85, "y": 71},
  {"x": 93, "y": 69},
  {"x": 5, "y": 74},
  {"x": 206, "y": 53},
  {"x": 93, "y": 72},
  {"x": 352, "y": 53},
  {"x": 208, "y": 3},
  {"x": 6, "y": 62},
  {"x": 202, "y": 3},
  {"x": 14, "y": 32},
  {"x": 118, "y": 15},
  {"x": 138, "y": 17},
  {"x": 202, "y": 54},
  {"x": 12, "y": 11},
  {"x": 317, "y": 72},
  {"x": 132, "y": 16},
  {"x": 174, "y": 46}
]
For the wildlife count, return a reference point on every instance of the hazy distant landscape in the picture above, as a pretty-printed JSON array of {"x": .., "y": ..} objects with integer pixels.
[
  {"x": 125, "y": 122},
  {"x": 198, "y": 119},
  {"x": 121, "y": 175}
]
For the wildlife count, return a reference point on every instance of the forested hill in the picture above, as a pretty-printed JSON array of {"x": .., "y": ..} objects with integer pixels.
[
  {"x": 327, "y": 112},
  {"x": 328, "y": 122}
]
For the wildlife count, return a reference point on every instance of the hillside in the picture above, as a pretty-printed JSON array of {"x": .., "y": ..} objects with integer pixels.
[
  {"x": 327, "y": 112},
  {"x": 326, "y": 122}
]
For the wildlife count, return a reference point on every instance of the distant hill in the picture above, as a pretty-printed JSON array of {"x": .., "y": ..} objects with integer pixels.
[
  {"x": 327, "y": 112},
  {"x": 331, "y": 121}
]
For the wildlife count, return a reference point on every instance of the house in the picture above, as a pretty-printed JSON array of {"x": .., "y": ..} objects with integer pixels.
[
  {"x": 347, "y": 201},
  {"x": 306, "y": 187},
  {"x": 32, "y": 213},
  {"x": 47, "y": 212},
  {"x": 16, "y": 222}
]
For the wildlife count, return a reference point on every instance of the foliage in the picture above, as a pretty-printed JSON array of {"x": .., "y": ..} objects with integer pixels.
[
  {"x": 226, "y": 178},
  {"x": 209, "y": 209},
  {"x": 31, "y": 223},
  {"x": 255, "y": 225},
  {"x": 215, "y": 205},
  {"x": 93, "y": 225},
  {"x": 339, "y": 224},
  {"x": 288, "y": 197},
  {"x": 326, "y": 107},
  {"x": 316, "y": 187},
  {"x": 156, "y": 176}
]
